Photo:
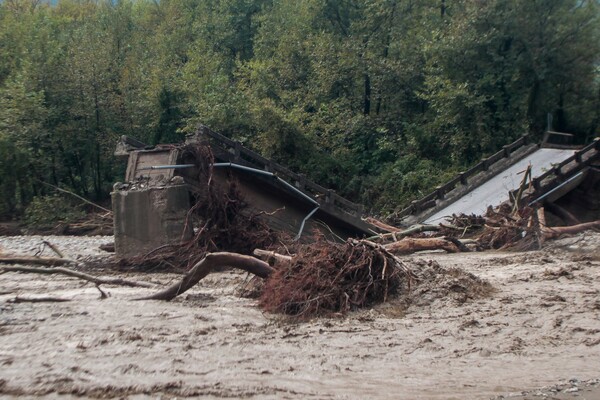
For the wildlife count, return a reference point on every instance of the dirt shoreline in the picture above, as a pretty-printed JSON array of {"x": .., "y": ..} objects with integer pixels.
[{"x": 540, "y": 328}]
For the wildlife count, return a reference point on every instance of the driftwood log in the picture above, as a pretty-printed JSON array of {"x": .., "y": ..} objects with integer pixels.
[
  {"x": 548, "y": 232},
  {"x": 399, "y": 234},
  {"x": 45, "y": 299},
  {"x": 206, "y": 266},
  {"x": 53, "y": 248},
  {"x": 411, "y": 245},
  {"x": 48, "y": 261},
  {"x": 76, "y": 274},
  {"x": 381, "y": 225},
  {"x": 554, "y": 232}
]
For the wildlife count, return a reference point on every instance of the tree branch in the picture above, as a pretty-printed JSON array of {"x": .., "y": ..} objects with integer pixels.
[
  {"x": 206, "y": 266},
  {"x": 76, "y": 274}
]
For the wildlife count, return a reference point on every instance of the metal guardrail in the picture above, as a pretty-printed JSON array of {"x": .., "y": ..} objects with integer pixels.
[
  {"x": 322, "y": 195},
  {"x": 557, "y": 169},
  {"x": 439, "y": 193}
]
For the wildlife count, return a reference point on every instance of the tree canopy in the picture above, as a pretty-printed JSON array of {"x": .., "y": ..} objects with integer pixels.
[{"x": 380, "y": 100}]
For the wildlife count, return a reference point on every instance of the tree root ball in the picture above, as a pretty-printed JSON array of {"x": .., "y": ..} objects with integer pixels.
[{"x": 325, "y": 278}]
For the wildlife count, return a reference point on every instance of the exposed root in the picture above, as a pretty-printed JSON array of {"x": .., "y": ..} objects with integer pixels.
[{"x": 325, "y": 278}]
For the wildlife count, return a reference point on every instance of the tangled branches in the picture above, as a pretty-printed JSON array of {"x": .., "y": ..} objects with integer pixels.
[
  {"x": 325, "y": 278},
  {"x": 502, "y": 228}
]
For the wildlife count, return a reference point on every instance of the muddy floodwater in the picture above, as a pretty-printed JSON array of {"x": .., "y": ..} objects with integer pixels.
[{"x": 539, "y": 327}]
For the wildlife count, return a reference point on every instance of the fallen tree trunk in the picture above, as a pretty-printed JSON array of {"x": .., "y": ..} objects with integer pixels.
[
  {"x": 411, "y": 245},
  {"x": 49, "y": 261},
  {"x": 206, "y": 265},
  {"x": 45, "y": 299},
  {"x": 396, "y": 235},
  {"x": 381, "y": 225},
  {"x": 551, "y": 233},
  {"x": 76, "y": 274}
]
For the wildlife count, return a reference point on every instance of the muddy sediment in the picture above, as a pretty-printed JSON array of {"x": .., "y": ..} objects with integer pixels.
[{"x": 536, "y": 324}]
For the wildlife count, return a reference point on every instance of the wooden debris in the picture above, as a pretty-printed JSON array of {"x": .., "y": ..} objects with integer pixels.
[
  {"x": 48, "y": 261},
  {"x": 76, "y": 274},
  {"x": 399, "y": 234},
  {"x": 206, "y": 266},
  {"x": 553, "y": 232},
  {"x": 381, "y": 225},
  {"x": 325, "y": 278},
  {"x": 109, "y": 247},
  {"x": 411, "y": 245},
  {"x": 560, "y": 212},
  {"x": 44, "y": 299},
  {"x": 53, "y": 248},
  {"x": 272, "y": 256}
]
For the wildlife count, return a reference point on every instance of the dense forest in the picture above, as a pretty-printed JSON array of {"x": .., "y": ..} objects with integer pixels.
[{"x": 378, "y": 99}]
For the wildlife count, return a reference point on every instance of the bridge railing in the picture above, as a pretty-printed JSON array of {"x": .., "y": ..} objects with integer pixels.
[
  {"x": 324, "y": 196},
  {"x": 581, "y": 159},
  {"x": 440, "y": 192}
]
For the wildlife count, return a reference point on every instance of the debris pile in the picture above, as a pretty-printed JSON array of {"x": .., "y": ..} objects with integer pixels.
[
  {"x": 325, "y": 278},
  {"x": 502, "y": 228},
  {"x": 523, "y": 229}
]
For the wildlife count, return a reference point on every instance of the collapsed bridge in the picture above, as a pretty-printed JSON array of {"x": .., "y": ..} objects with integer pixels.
[
  {"x": 151, "y": 207},
  {"x": 563, "y": 177}
]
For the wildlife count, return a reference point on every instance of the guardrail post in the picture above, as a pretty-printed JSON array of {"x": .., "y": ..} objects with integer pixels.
[
  {"x": 237, "y": 150},
  {"x": 360, "y": 210},
  {"x": 486, "y": 164},
  {"x": 439, "y": 193},
  {"x": 463, "y": 178},
  {"x": 329, "y": 197},
  {"x": 301, "y": 182},
  {"x": 506, "y": 149},
  {"x": 558, "y": 172},
  {"x": 416, "y": 206},
  {"x": 269, "y": 166}
]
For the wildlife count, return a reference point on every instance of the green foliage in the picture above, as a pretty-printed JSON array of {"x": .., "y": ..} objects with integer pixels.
[
  {"x": 404, "y": 180},
  {"x": 47, "y": 211},
  {"x": 378, "y": 99}
]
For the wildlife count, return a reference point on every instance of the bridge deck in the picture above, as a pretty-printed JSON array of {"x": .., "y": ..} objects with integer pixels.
[{"x": 496, "y": 190}]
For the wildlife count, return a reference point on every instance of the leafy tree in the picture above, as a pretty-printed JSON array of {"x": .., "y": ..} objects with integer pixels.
[{"x": 378, "y": 99}]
